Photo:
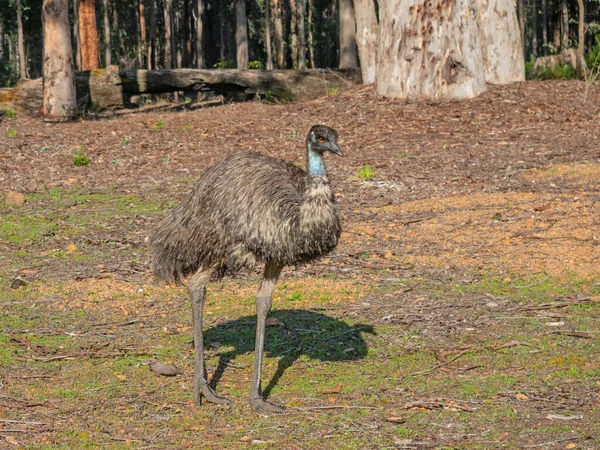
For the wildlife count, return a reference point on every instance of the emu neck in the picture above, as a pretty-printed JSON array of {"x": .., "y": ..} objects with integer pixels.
[{"x": 315, "y": 163}]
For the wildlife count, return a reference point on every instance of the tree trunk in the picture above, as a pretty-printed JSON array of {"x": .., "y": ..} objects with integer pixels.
[
  {"x": 311, "y": 45},
  {"x": 278, "y": 34},
  {"x": 88, "y": 34},
  {"x": 294, "y": 33},
  {"x": 581, "y": 66},
  {"x": 142, "y": 37},
  {"x": 199, "y": 11},
  {"x": 534, "y": 29},
  {"x": 367, "y": 36},
  {"x": 521, "y": 8},
  {"x": 188, "y": 26},
  {"x": 241, "y": 34},
  {"x": 167, "y": 12},
  {"x": 152, "y": 36},
  {"x": 59, "y": 80},
  {"x": 429, "y": 51},
  {"x": 564, "y": 25},
  {"x": 76, "y": 35},
  {"x": 501, "y": 48},
  {"x": 1, "y": 39},
  {"x": 268, "y": 37},
  {"x": 176, "y": 34},
  {"x": 300, "y": 7},
  {"x": 107, "y": 56},
  {"x": 544, "y": 27},
  {"x": 21, "y": 42},
  {"x": 348, "y": 56}
]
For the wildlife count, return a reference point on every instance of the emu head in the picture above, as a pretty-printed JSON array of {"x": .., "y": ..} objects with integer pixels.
[{"x": 322, "y": 139}]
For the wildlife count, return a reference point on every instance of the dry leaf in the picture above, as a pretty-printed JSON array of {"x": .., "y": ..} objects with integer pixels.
[
  {"x": 395, "y": 419},
  {"x": 160, "y": 368},
  {"x": 522, "y": 397},
  {"x": 246, "y": 439},
  {"x": 335, "y": 390},
  {"x": 71, "y": 248},
  {"x": 388, "y": 255},
  {"x": 502, "y": 437},
  {"x": 14, "y": 198},
  {"x": 570, "y": 445}
]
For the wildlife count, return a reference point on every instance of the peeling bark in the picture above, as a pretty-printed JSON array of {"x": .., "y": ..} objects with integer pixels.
[
  {"x": 429, "y": 50},
  {"x": 367, "y": 34},
  {"x": 88, "y": 34}
]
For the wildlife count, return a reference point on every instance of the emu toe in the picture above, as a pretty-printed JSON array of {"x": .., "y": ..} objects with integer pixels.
[
  {"x": 212, "y": 397},
  {"x": 261, "y": 405}
]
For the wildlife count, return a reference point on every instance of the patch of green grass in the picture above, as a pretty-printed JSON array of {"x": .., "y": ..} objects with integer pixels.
[
  {"x": 402, "y": 155},
  {"x": 333, "y": 90},
  {"x": 159, "y": 125},
  {"x": 11, "y": 132},
  {"x": 366, "y": 172},
  {"x": 10, "y": 113},
  {"x": 80, "y": 158}
]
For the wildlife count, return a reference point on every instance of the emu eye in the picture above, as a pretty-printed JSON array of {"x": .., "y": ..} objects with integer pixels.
[{"x": 321, "y": 140}]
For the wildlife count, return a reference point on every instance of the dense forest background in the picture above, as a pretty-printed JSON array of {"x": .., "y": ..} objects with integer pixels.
[{"x": 138, "y": 33}]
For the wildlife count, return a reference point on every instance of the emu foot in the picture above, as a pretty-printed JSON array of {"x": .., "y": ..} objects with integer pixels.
[
  {"x": 211, "y": 396},
  {"x": 261, "y": 405}
]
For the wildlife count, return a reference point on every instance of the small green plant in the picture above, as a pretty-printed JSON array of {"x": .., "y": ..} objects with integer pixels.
[
  {"x": 255, "y": 65},
  {"x": 159, "y": 125},
  {"x": 186, "y": 128},
  {"x": 225, "y": 64},
  {"x": 11, "y": 132},
  {"x": 333, "y": 90},
  {"x": 269, "y": 97},
  {"x": 402, "y": 155},
  {"x": 366, "y": 172},
  {"x": 80, "y": 158},
  {"x": 10, "y": 113},
  {"x": 126, "y": 140}
]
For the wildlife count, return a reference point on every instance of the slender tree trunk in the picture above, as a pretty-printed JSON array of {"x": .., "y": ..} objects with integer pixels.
[
  {"x": 76, "y": 35},
  {"x": 167, "y": 12},
  {"x": 199, "y": 11},
  {"x": 21, "y": 42},
  {"x": 581, "y": 41},
  {"x": 278, "y": 34},
  {"x": 1, "y": 39},
  {"x": 241, "y": 34},
  {"x": 367, "y": 36},
  {"x": 188, "y": 26},
  {"x": 301, "y": 6},
  {"x": 268, "y": 37},
  {"x": 428, "y": 51},
  {"x": 59, "y": 76},
  {"x": 176, "y": 29},
  {"x": 348, "y": 56},
  {"x": 152, "y": 36},
  {"x": 544, "y": 27},
  {"x": 521, "y": 11},
  {"x": 311, "y": 42},
  {"x": 115, "y": 26},
  {"x": 88, "y": 34},
  {"x": 294, "y": 33},
  {"x": 221, "y": 33},
  {"x": 502, "y": 50},
  {"x": 564, "y": 25},
  {"x": 534, "y": 29},
  {"x": 142, "y": 37},
  {"x": 107, "y": 56}
]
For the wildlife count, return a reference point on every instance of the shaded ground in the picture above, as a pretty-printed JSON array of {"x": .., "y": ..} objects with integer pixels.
[{"x": 459, "y": 311}]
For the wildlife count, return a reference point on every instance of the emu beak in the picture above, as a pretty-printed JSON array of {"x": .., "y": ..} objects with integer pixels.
[{"x": 333, "y": 148}]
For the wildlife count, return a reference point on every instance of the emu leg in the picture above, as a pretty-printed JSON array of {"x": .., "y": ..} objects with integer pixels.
[
  {"x": 197, "y": 290},
  {"x": 263, "y": 306}
]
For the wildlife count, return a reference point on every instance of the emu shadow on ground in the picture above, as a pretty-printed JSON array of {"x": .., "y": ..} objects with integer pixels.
[{"x": 308, "y": 333}]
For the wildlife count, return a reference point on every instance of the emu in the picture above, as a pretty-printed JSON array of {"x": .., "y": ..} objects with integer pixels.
[{"x": 246, "y": 209}]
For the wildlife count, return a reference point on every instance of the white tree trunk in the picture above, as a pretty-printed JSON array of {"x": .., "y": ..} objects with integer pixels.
[
  {"x": 348, "y": 56},
  {"x": 501, "y": 46},
  {"x": 367, "y": 33},
  {"x": 429, "y": 50},
  {"x": 59, "y": 77}
]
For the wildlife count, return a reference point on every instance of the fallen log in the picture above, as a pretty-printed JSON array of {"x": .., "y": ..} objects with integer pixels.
[{"x": 112, "y": 88}]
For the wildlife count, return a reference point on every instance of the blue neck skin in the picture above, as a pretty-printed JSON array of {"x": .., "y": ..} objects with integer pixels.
[{"x": 315, "y": 163}]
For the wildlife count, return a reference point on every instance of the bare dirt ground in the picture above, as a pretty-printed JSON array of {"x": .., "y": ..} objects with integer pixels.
[{"x": 459, "y": 311}]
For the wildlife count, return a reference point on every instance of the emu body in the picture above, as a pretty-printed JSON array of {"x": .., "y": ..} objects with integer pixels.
[{"x": 246, "y": 209}]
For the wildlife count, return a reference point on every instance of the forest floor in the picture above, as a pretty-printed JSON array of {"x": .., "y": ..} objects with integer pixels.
[{"x": 460, "y": 310}]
